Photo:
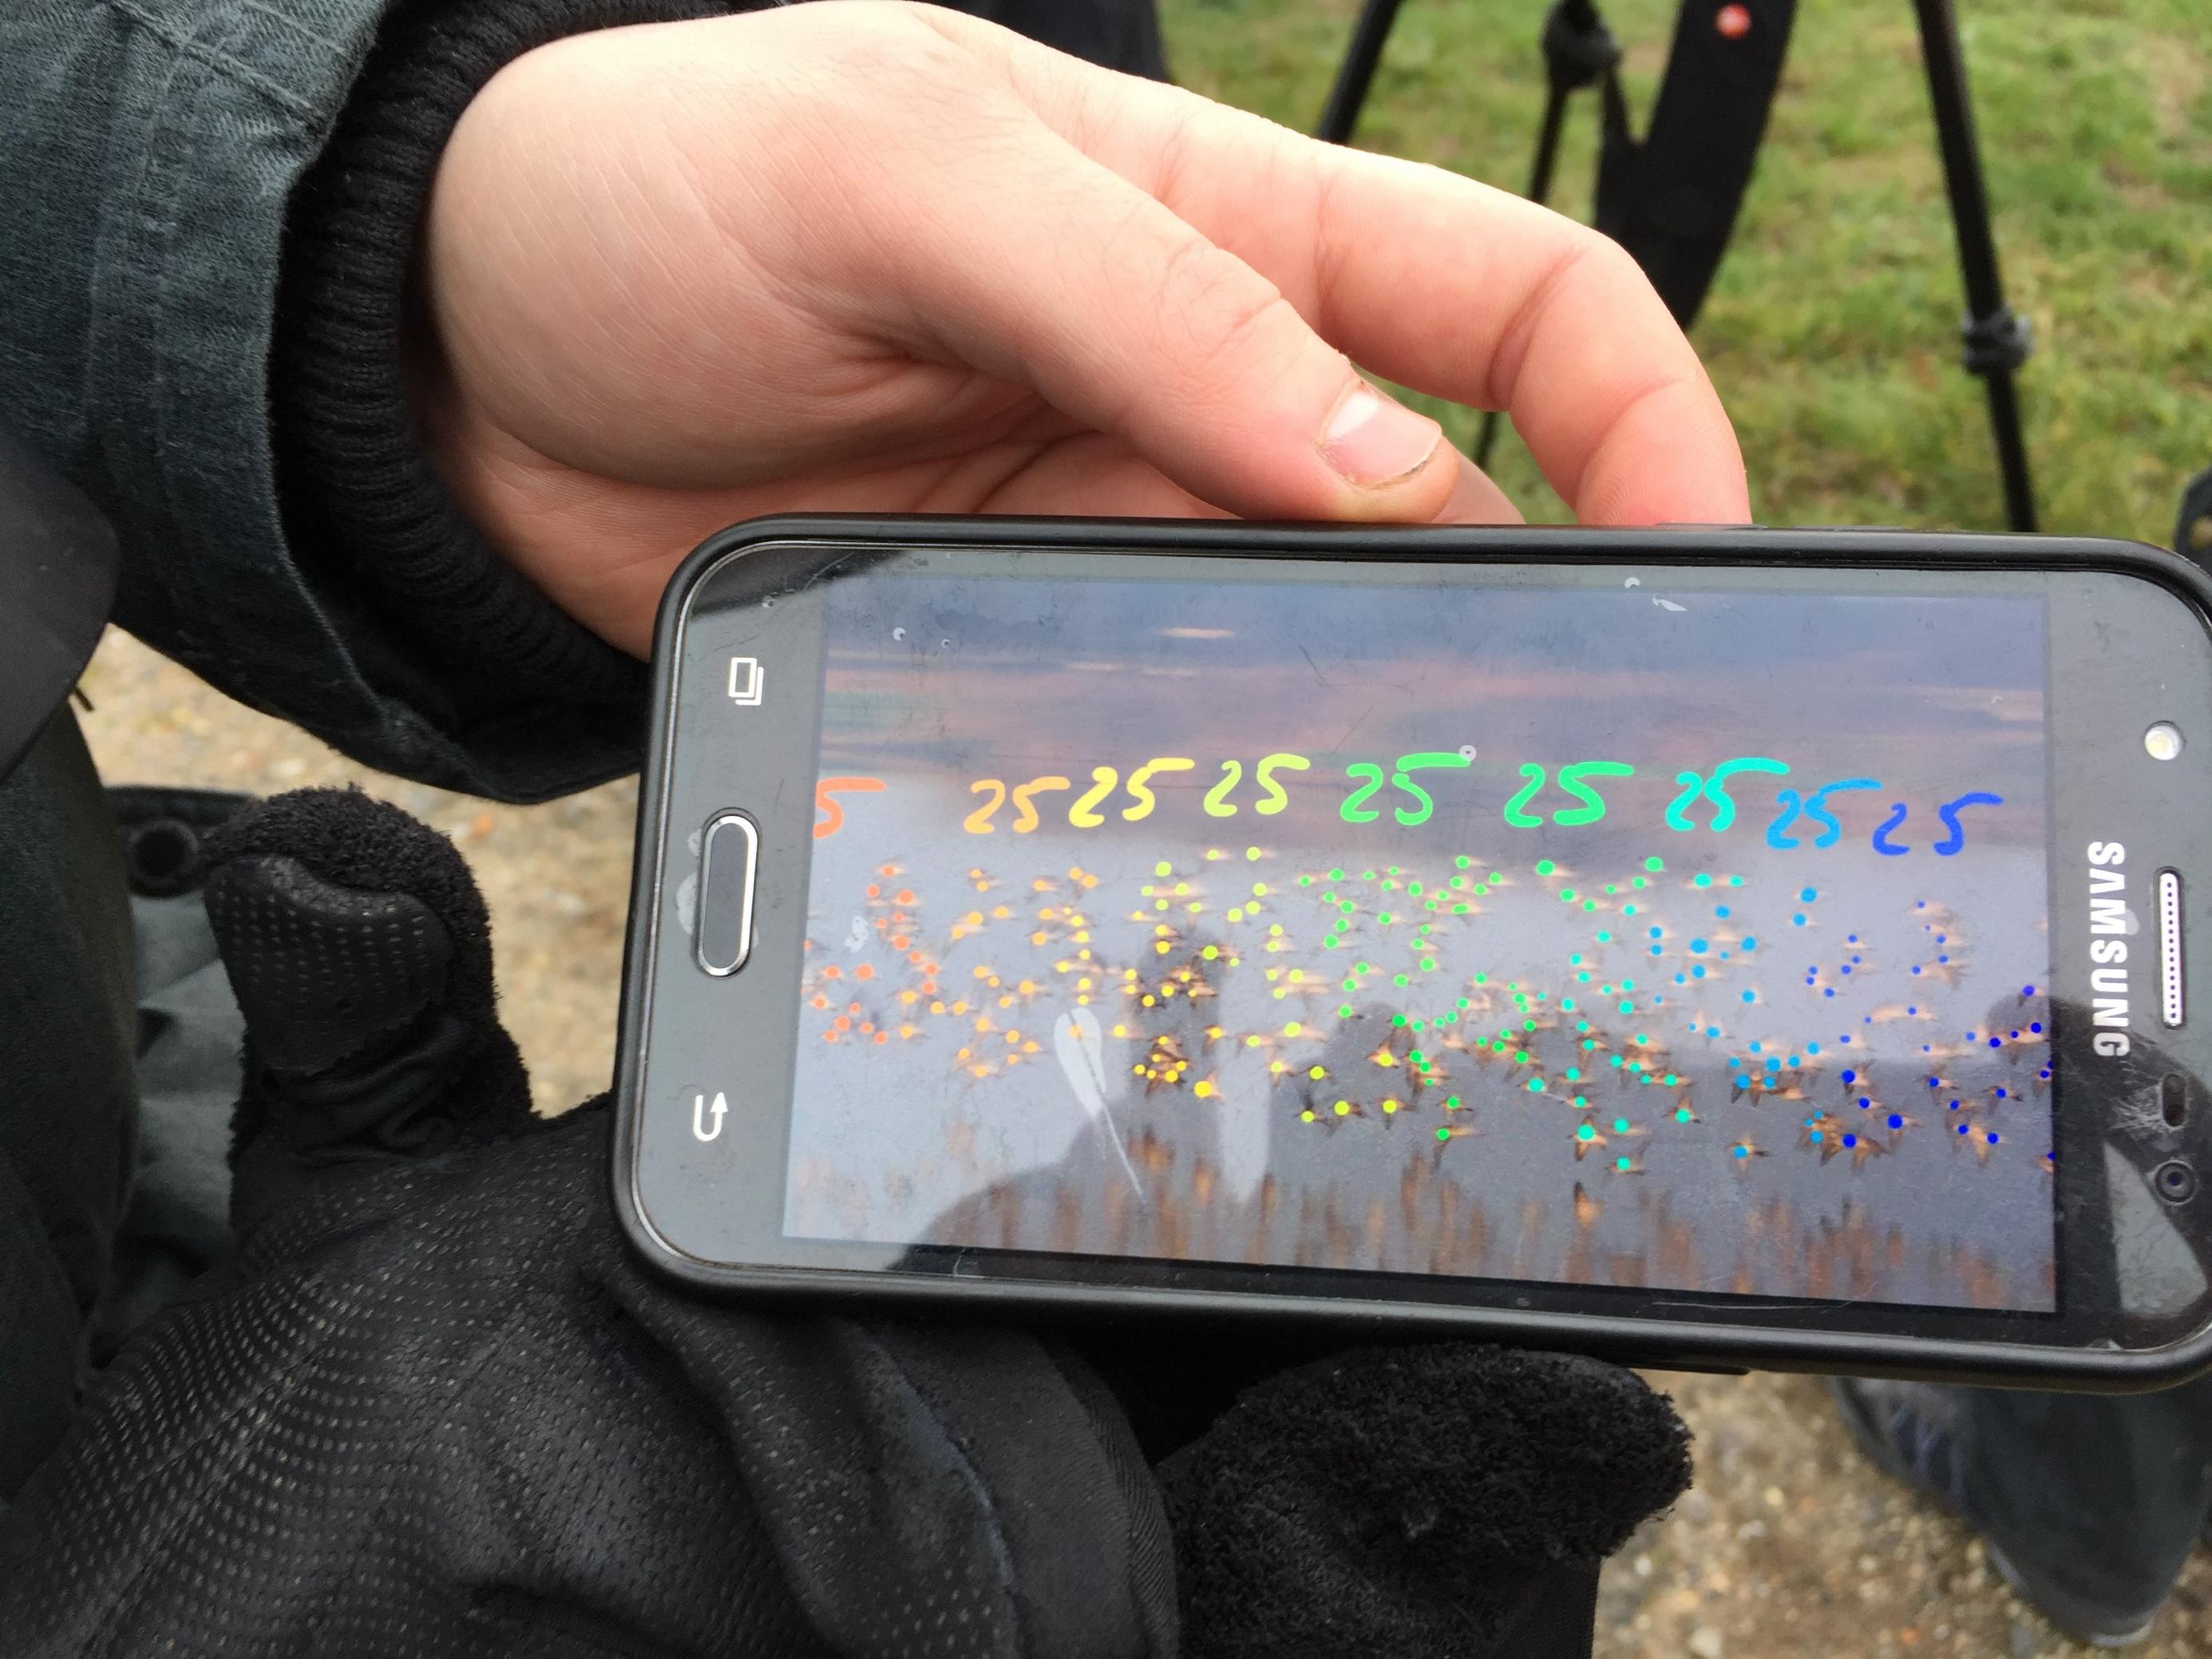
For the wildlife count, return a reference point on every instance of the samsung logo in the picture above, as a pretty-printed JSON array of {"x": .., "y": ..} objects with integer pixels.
[{"x": 2111, "y": 923}]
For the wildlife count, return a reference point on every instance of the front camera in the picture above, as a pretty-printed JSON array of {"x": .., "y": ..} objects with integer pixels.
[
  {"x": 2175, "y": 1181},
  {"x": 2163, "y": 741}
]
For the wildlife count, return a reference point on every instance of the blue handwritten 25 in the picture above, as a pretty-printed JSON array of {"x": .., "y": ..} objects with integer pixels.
[{"x": 1814, "y": 808}]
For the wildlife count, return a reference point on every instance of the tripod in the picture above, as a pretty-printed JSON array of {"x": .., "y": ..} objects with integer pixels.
[{"x": 1580, "y": 52}]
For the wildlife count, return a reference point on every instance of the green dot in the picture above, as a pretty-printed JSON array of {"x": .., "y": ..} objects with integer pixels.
[
  {"x": 1621, "y": 1126},
  {"x": 1443, "y": 1134},
  {"x": 1588, "y": 1043},
  {"x": 1604, "y": 937},
  {"x": 1414, "y": 1054},
  {"x": 1520, "y": 1056},
  {"x": 1582, "y": 1025},
  {"x": 1367, "y": 875},
  {"x": 1351, "y": 985},
  {"x": 1359, "y": 966},
  {"x": 1528, "y": 1025},
  {"x": 1628, "y": 910},
  {"x": 1616, "y": 1060},
  {"x": 1452, "y": 1102},
  {"x": 1582, "y": 978},
  {"x": 1583, "y": 1101},
  {"x": 1482, "y": 978},
  {"x": 1385, "y": 918},
  {"x": 1544, "y": 867},
  {"x": 1621, "y": 1164},
  {"x": 1305, "y": 881},
  {"x": 1344, "y": 1011},
  {"x": 1589, "y": 904},
  {"x": 1681, "y": 1114},
  {"x": 1671, "y": 1079},
  {"x": 1413, "y": 888},
  {"x": 1397, "y": 1020},
  {"x": 1627, "y": 1008},
  {"x": 1400, "y": 980},
  {"x": 1459, "y": 909},
  {"x": 1459, "y": 881},
  {"x": 1496, "y": 877},
  {"x": 1567, "y": 1003},
  {"x": 1574, "y": 1074},
  {"x": 1462, "y": 861},
  {"x": 1535, "y": 1085},
  {"x": 1628, "y": 985},
  {"x": 1415, "y": 1023},
  {"x": 1585, "y": 1132},
  {"x": 1702, "y": 880},
  {"x": 1336, "y": 875},
  {"x": 1640, "y": 883},
  {"x": 1566, "y": 894},
  {"x": 1428, "y": 964},
  {"x": 1463, "y": 1005},
  {"x": 1735, "y": 881},
  {"x": 1655, "y": 863}
]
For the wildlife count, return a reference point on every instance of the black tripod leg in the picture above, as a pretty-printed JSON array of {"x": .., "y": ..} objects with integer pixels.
[
  {"x": 1347, "y": 97},
  {"x": 1997, "y": 338}
]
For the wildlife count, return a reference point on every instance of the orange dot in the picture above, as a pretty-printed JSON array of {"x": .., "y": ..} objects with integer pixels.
[
  {"x": 852, "y": 1008},
  {"x": 900, "y": 942},
  {"x": 821, "y": 1001},
  {"x": 828, "y": 1036},
  {"x": 866, "y": 1026},
  {"x": 905, "y": 895},
  {"x": 916, "y": 958},
  {"x": 929, "y": 987},
  {"x": 831, "y": 971},
  {"x": 883, "y": 1037},
  {"x": 864, "y": 971},
  {"x": 842, "y": 1022},
  {"x": 874, "y": 892},
  {"x": 1734, "y": 22}
]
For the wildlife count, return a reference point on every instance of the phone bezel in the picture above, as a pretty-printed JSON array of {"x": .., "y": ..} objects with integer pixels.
[{"x": 1644, "y": 1340}]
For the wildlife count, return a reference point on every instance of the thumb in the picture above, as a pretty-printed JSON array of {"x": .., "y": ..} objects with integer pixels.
[
  {"x": 1119, "y": 313},
  {"x": 360, "y": 953}
]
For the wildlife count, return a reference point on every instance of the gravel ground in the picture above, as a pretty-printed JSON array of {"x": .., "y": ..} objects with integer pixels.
[{"x": 1791, "y": 1544}]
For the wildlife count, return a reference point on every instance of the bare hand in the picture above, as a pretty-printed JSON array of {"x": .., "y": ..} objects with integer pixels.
[{"x": 883, "y": 258}]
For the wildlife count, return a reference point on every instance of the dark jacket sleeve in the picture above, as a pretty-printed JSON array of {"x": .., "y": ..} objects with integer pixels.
[{"x": 172, "y": 166}]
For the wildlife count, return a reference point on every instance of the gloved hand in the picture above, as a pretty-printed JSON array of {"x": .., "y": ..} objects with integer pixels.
[{"x": 434, "y": 1407}]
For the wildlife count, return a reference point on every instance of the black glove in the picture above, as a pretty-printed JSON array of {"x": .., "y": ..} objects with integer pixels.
[{"x": 434, "y": 1407}]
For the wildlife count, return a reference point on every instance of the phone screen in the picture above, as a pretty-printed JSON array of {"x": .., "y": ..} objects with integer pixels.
[{"x": 1686, "y": 937}]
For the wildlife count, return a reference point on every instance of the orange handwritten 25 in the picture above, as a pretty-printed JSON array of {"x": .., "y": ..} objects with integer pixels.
[{"x": 825, "y": 802}]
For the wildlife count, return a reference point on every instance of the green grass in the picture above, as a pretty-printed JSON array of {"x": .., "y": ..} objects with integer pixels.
[{"x": 1832, "y": 331}]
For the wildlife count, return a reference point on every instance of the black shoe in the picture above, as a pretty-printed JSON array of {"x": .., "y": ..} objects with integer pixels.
[{"x": 1904, "y": 1429}]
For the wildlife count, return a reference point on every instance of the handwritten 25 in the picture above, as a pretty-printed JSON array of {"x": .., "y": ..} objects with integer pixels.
[{"x": 1411, "y": 804}]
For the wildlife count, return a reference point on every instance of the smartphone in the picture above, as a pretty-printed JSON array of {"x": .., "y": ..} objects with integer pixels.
[{"x": 1695, "y": 946}]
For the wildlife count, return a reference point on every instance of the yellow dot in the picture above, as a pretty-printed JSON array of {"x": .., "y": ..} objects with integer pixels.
[
  {"x": 1162, "y": 868},
  {"x": 1195, "y": 907},
  {"x": 1162, "y": 947},
  {"x": 1211, "y": 952},
  {"x": 1203, "y": 1090},
  {"x": 1121, "y": 1030},
  {"x": 1293, "y": 1029},
  {"x": 1237, "y": 915},
  {"x": 1389, "y": 1105},
  {"x": 1343, "y": 1108},
  {"x": 1274, "y": 930},
  {"x": 1306, "y": 1116},
  {"x": 1252, "y": 1042},
  {"x": 1182, "y": 888},
  {"x": 1148, "y": 999},
  {"x": 1316, "y": 1072},
  {"x": 1138, "y": 1071},
  {"x": 1213, "y": 852},
  {"x": 1297, "y": 974},
  {"x": 1251, "y": 852},
  {"x": 1260, "y": 888}
]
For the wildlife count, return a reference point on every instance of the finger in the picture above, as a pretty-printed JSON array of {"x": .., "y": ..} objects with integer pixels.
[
  {"x": 1118, "y": 311},
  {"x": 1475, "y": 498},
  {"x": 1425, "y": 279}
]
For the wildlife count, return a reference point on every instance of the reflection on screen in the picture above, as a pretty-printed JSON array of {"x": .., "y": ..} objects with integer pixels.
[{"x": 1610, "y": 937}]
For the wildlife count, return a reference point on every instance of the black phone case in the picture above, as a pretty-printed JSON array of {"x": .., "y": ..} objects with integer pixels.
[{"x": 1626, "y": 1339}]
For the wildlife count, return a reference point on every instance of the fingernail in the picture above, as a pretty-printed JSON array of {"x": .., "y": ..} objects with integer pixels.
[{"x": 1372, "y": 440}]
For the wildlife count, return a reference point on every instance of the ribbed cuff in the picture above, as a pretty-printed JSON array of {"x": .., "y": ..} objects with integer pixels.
[{"x": 361, "y": 502}]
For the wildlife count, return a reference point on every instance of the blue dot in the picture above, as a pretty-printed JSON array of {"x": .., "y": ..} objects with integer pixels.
[
  {"x": 1943, "y": 939},
  {"x": 1831, "y": 991},
  {"x": 1939, "y": 958},
  {"x": 1813, "y": 1134},
  {"x": 1850, "y": 1141},
  {"x": 1954, "y": 1106},
  {"x": 1864, "y": 1102},
  {"x": 2001, "y": 1094},
  {"x": 1852, "y": 939},
  {"x": 2015, "y": 1037},
  {"x": 1712, "y": 1030},
  {"x": 1655, "y": 932},
  {"x": 1812, "y": 1048},
  {"x": 1857, "y": 957},
  {"x": 1751, "y": 996},
  {"x": 1970, "y": 1037},
  {"x": 1721, "y": 910},
  {"x": 1735, "y": 1060},
  {"x": 1851, "y": 1077},
  {"x": 1681, "y": 979},
  {"x": 1774, "y": 1062},
  {"x": 1797, "y": 921},
  {"x": 1699, "y": 971},
  {"x": 1754, "y": 1047},
  {"x": 1654, "y": 950},
  {"x": 1807, "y": 895},
  {"x": 1847, "y": 967},
  {"x": 2036, "y": 1026},
  {"x": 1655, "y": 1001},
  {"x": 1997, "y": 1043},
  {"x": 1934, "y": 1082},
  {"x": 1844, "y": 1037},
  {"x": 1697, "y": 946},
  {"x": 2044, "y": 1073},
  {"x": 1792, "y": 1059},
  {"x": 1895, "y": 1121},
  {"x": 1964, "y": 1129},
  {"x": 1912, "y": 1011},
  {"x": 1923, "y": 905},
  {"x": 1749, "y": 943},
  {"x": 1740, "y": 1151},
  {"x": 1916, "y": 968},
  {"x": 1993, "y": 1137},
  {"x": 2027, "y": 990}
]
